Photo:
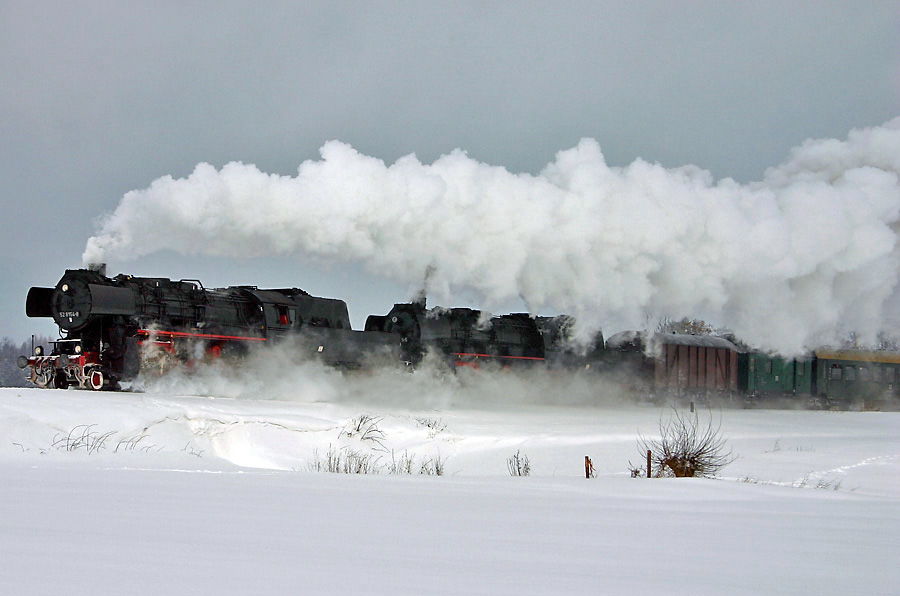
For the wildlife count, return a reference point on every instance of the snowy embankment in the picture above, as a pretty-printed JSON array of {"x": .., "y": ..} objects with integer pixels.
[{"x": 166, "y": 493}]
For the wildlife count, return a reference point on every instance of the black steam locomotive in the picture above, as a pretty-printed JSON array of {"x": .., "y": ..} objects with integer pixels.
[{"x": 112, "y": 329}]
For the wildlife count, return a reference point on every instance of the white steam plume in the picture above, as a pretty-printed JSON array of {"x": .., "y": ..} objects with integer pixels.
[{"x": 787, "y": 263}]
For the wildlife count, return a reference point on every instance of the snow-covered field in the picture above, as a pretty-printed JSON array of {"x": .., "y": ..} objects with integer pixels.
[{"x": 173, "y": 491}]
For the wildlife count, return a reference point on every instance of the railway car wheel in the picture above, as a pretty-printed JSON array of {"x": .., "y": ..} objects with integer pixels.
[
  {"x": 95, "y": 380},
  {"x": 43, "y": 375},
  {"x": 60, "y": 381}
]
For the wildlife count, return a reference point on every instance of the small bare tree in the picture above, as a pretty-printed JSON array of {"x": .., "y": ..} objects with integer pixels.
[{"x": 687, "y": 446}]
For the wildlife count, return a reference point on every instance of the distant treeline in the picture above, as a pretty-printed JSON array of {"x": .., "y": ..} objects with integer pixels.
[{"x": 10, "y": 373}]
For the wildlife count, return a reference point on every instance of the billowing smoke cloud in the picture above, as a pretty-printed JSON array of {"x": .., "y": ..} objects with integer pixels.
[{"x": 789, "y": 262}]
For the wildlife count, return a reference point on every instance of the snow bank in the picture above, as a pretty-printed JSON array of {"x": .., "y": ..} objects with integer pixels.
[{"x": 193, "y": 494}]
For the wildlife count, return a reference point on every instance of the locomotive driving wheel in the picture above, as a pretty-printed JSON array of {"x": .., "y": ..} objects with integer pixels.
[{"x": 95, "y": 379}]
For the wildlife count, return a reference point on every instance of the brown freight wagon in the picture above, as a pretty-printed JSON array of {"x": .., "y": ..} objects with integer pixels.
[{"x": 678, "y": 364}]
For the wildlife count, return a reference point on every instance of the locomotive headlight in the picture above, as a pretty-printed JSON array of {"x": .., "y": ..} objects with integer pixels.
[
  {"x": 65, "y": 287},
  {"x": 39, "y": 351},
  {"x": 78, "y": 349}
]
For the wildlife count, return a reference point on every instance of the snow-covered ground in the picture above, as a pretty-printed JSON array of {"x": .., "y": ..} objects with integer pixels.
[{"x": 173, "y": 491}]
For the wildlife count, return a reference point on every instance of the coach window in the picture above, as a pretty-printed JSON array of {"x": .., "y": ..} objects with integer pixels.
[
  {"x": 836, "y": 372},
  {"x": 864, "y": 374},
  {"x": 889, "y": 374},
  {"x": 876, "y": 374},
  {"x": 768, "y": 367},
  {"x": 851, "y": 373}
]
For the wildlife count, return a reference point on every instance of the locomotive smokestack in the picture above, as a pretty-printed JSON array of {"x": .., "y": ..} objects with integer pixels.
[
  {"x": 420, "y": 298},
  {"x": 98, "y": 267},
  {"x": 423, "y": 293}
]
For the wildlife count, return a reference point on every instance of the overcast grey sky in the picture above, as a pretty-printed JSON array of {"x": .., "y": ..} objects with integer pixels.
[{"x": 100, "y": 98}]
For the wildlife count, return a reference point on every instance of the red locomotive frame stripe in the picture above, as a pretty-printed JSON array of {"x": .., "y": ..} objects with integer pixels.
[
  {"x": 503, "y": 357},
  {"x": 148, "y": 332}
]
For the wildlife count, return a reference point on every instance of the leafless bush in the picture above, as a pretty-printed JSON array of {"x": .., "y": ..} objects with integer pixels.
[
  {"x": 636, "y": 471},
  {"x": 188, "y": 448},
  {"x": 821, "y": 483},
  {"x": 402, "y": 466},
  {"x": 434, "y": 425},
  {"x": 687, "y": 447},
  {"x": 345, "y": 461},
  {"x": 331, "y": 462},
  {"x": 805, "y": 482},
  {"x": 432, "y": 466},
  {"x": 365, "y": 427},
  {"x": 356, "y": 462},
  {"x": 349, "y": 461},
  {"x": 83, "y": 437},
  {"x": 131, "y": 443},
  {"x": 518, "y": 465}
]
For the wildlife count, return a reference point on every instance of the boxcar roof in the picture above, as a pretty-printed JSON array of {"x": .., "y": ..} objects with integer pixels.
[{"x": 638, "y": 338}]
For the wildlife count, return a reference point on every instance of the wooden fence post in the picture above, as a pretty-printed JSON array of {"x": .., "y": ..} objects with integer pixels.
[
  {"x": 588, "y": 467},
  {"x": 648, "y": 463}
]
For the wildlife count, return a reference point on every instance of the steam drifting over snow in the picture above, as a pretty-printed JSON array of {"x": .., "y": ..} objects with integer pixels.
[{"x": 787, "y": 263}]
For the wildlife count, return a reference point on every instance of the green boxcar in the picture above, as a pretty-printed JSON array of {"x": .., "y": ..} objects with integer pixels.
[{"x": 764, "y": 376}]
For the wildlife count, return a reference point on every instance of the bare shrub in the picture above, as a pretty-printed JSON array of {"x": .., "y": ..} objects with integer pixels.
[
  {"x": 188, "y": 448},
  {"x": 687, "y": 447},
  {"x": 330, "y": 463},
  {"x": 365, "y": 428},
  {"x": 356, "y": 462},
  {"x": 432, "y": 466},
  {"x": 821, "y": 483},
  {"x": 131, "y": 443},
  {"x": 518, "y": 465},
  {"x": 345, "y": 461},
  {"x": 83, "y": 437},
  {"x": 402, "y": 466},
  {"x": 805, "y": 482},
  {"x": 636, "y": 471},
  {"x": 434, "y": 425}
]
